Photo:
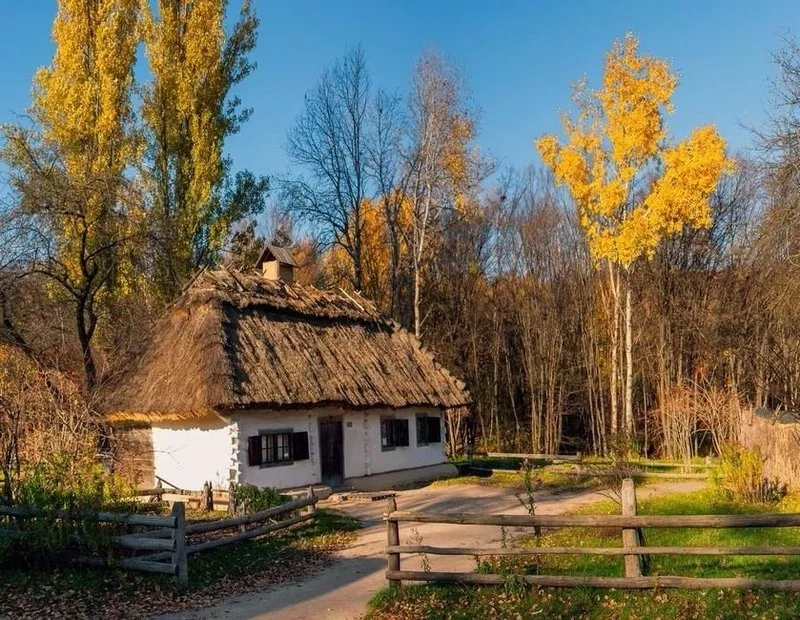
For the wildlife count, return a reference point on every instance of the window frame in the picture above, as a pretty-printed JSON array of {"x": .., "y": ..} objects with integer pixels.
[
  {"x": 387, "y": 423},
  {"x": 287, "y": 449},
  {"x": 391, "y": 423},
  {"x": 423, "y": 422}
]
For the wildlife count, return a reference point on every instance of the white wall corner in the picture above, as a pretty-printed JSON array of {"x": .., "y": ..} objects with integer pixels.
[{"x": 367, "y": 442}]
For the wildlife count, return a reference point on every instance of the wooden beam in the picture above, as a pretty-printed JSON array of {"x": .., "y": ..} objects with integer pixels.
[
  {"x": 139, "y": 543},
  {"x": 164, "y": 568},
  {"x": 393, "y": 539},
  {"x": 615, "y": 551},
  {"x": 223, "y": 524},
  {"x": 178, "y": 554},
  {"x": 110, "y": 517},
  {"x": 259, "y": 531},
  {"x": 639, "y": 583},
  {"x": 657, "y": 521}
]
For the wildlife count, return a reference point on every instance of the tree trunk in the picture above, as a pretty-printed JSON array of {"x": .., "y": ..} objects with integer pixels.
[
  {"x": 614, "y": 350},
  {"x": 629, "y": 429}
]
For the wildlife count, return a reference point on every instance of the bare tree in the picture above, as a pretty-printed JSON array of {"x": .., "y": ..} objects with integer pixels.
[{"x": 330, "y": 142}]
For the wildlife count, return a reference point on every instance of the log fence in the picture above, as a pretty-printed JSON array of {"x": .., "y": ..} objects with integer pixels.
[
  {"x": 634, "y": 549},
  {"x": 166, "y": 548},
  {"x": 581, "y": 465}
]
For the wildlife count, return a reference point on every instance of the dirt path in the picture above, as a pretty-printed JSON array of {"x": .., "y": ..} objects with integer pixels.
[{"x": 342, "y": 590}]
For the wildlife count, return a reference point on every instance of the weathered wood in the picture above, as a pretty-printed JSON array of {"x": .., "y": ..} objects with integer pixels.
[
  {"x": 179, "y": 560},
  {"x": 535, "y": 457},
  {"x": 640, "y": 583},
  {"x": 617, "y": 521},
  {"x": 110, "y": 517},
  {"x": 613, "y": 551},
  {"x": 141, "y": 543},
  {"x": 630, "y": 474},
  {"x": 223, "y": 524},
  {"x": 138, "y": 564},
  {"x": 258, "y": 531},
  {"x": 154, "y": 491},
  {"x": 312, "y": 507},
  {"x": 630, "y": 536},
  {"x": 393, "y": 539}
]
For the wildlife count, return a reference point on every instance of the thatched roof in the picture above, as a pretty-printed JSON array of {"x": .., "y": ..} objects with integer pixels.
[{"x": 238, "y": 341}]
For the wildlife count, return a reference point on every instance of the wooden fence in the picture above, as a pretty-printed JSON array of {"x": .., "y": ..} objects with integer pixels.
[
  {"x": 167, "y": 547},
  {"x": 600, "y": 468},
  {"x": 633, "y": 548}
]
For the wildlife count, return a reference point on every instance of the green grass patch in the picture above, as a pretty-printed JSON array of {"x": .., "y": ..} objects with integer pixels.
[
  {"x": 468, "y": 602},
  {"x": 230, "y": 570},
  {"x": 513, "y": 600}
]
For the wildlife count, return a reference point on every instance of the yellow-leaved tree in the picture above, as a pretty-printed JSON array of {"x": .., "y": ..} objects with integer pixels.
[
  {"x": 633, "y": 185},
  {"x": 187, "y": 114},
  {"x": 67, "y": 171}
]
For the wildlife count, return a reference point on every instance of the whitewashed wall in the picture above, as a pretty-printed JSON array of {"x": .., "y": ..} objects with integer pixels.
[
  {"x": 187, "y": 454},
  {"x": 214, "y": 450},
  {"x": 298, "y": 474},
  {"x": 403, "y": 457}
]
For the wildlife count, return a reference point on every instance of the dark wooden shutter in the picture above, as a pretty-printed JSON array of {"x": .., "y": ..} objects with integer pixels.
[
  {"x": 401, "y": 432},
  {"x": 434, "y": 430},
  {"x": 254, "y": 450},
  {"x": 300, "y": 446}
]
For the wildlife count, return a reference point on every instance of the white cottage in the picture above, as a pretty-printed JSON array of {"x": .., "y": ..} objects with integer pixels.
[{"x": 253, "y": 378}]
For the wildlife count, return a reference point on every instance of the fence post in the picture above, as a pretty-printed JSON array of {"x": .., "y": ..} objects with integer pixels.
[
  {"x": 630, "y": 536},
  {"x": 312, "y": 508},
  {"x": 232, "y": 498},
  {"x": 393, "y": 539},
  {"x": 179, "y": 550}
]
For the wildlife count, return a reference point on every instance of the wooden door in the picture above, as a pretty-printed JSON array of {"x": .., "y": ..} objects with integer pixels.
[{"x": 331, "y": 449}]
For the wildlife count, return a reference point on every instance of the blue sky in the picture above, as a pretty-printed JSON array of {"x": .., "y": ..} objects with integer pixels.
[{"x": 519, "y": 58}]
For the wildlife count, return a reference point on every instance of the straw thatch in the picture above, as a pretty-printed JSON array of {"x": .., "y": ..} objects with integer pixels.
[{"x": 238, "y": 341}]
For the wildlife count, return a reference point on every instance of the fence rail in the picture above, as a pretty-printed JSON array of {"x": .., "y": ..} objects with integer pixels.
[
  {"x": 592, "y": 466},
  {"x": 633, "y": 548},
  {"x": 169, "y": 546}
]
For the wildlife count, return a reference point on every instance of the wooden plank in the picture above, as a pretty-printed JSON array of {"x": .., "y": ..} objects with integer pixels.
[
  {"x": 613, "y": 551},
  {"x": 223, "y": 524},
  {"x": 393, "y": 540},
  {"x": 620, "y": 521},
  {"x": 638, "y": 583},
  {"x": 534, "y": 457},
  {"x": 138, "y": 564},
  {"x": 259, "y": 531},
  {"x": 179, "y": 559},
  {"x": 110, "y": 517},
  {"x": 139, "y": 543},
  {"x": 629, "y": 474}
]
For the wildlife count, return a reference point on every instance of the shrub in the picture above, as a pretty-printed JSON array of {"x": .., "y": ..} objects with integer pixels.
[
  {"x": 250, "y": 498},
  {"x": 740, "y": 477},
  {"x": 62, "y": 484}
]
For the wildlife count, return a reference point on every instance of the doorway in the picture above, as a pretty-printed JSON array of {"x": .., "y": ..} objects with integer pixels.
[{"x": 331, "y": 450}]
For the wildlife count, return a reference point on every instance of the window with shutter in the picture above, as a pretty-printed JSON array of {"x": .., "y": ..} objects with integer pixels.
[
  {"x": 270, "y": 448},
  {"x": 387, "y": 434}
]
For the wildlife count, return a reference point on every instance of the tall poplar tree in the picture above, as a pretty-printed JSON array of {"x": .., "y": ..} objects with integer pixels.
[
  {"x": 188, "y": 112},
  {"x": 68, "y": 169}
]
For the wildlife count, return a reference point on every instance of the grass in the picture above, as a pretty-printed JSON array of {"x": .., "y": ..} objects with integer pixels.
[
  {"x": 514, "y": 600},
  {"x": 229, "y": 570}
]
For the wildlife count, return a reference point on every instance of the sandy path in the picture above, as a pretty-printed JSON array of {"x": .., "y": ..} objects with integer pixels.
[{"x": 342, "y": 590}]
